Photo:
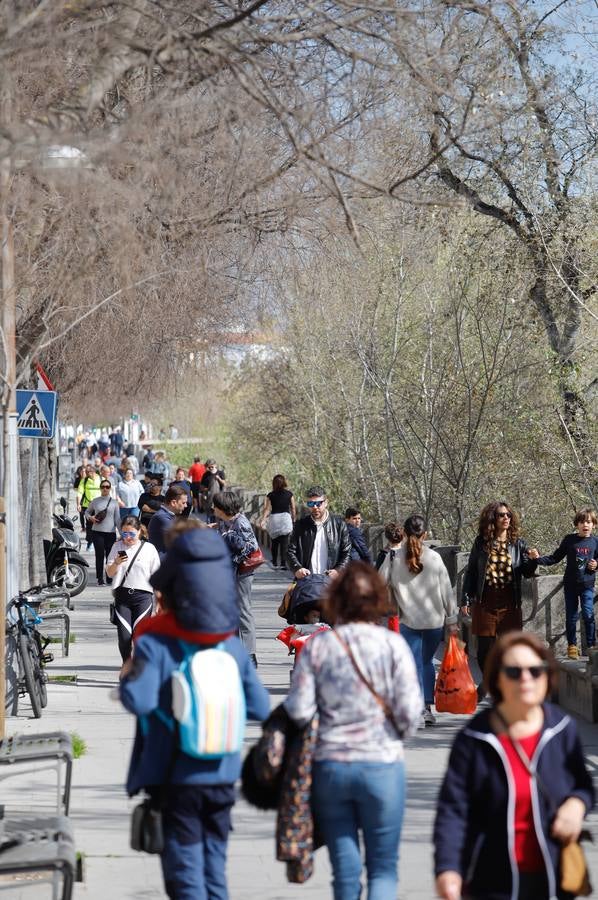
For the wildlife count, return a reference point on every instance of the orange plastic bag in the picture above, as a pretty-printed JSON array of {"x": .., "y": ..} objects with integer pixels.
[{"x": 455, "y": 688}]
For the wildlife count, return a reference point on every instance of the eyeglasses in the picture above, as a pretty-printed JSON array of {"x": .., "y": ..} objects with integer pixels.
[
  {"x": 505, "y": 515},
  {"x": 514, "y": 673},
  {"x": 105, "y": 487},
  {"x": 314, "y": 504},
  {"x": 128, "y": 534}
]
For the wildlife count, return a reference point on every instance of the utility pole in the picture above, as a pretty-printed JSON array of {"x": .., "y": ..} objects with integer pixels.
[{"x": 9, "y": 487}]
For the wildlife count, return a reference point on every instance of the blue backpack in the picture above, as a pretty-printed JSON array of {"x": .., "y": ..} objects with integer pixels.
[{"x": 208, "y": 702}]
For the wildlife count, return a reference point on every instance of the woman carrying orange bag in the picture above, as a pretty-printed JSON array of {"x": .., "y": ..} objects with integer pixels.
[{"x": 426, "y": 603}]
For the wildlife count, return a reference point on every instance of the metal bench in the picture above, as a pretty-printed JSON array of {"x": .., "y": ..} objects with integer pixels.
[
  {"x": 30, "y": 749},
  {"x": 39, "y": 845}
]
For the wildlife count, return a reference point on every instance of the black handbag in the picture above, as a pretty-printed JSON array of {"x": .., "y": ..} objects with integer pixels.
[{"x": 147, "y": 833}]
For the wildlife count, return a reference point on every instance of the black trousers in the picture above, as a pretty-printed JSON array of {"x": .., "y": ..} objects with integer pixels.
[
  {"x": 130, "y": 609},
  {"x": 280, "y": 546},
  {"x": 485, "y": 645},
  {"x": 102, "y": 545}
]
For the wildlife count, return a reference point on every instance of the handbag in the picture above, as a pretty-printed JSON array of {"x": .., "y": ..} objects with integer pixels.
[
  {"x": 147, "y": 832},
  {"x": 574, "y": 872},
  {"x": 382, "y": 703},
  {"x": 250, "y": 563},
  {"x": 102, "y": 513},
  {"x": 112, "y": 614}
]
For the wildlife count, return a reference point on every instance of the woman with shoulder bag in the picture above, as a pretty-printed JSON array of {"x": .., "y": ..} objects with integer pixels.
[
  {"x": 238, "y": 535},
  {"x": 426, "y": 603},
  {"x": 131, "y": 563},
  {"x": 104, "y": 517},
  {"x": 516, "y": 789},
  {"x": 361, "y": 681}
]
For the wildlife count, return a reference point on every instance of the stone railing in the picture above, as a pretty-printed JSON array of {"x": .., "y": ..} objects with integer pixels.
[{"x": 543, "y": 611}]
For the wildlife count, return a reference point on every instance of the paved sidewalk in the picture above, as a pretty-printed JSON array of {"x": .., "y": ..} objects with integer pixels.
[{"x": 100, "y": 809}]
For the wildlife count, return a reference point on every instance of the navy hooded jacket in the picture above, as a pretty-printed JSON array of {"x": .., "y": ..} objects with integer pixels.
[
  {"x": 359, "y": 548},
  {"x": 198, "y": 581},
  {"x": 474, "y": 832}
]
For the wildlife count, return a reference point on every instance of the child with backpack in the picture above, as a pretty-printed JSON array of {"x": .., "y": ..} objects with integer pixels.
[
  {"x": 581, "y": 552},
  {"x": 190, "y": 683}
]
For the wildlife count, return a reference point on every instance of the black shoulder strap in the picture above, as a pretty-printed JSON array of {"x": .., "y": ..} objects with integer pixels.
[{"x": 131, "y": 563}]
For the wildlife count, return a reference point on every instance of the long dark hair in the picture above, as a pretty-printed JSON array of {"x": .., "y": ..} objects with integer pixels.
[
  {"x": 415, "y": 528},
  {"x": 487, "y": 524},
  {"x": 279, "y": 483}
]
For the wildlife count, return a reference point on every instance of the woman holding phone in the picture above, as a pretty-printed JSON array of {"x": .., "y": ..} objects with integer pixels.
[{"x": 131, "y": 563}]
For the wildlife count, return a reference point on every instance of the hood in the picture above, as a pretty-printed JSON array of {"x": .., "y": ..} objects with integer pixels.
[{"x": 198, "y": 578}]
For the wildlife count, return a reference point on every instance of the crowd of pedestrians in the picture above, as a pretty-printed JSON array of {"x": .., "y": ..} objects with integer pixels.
[{"x": 177, "y": 554}]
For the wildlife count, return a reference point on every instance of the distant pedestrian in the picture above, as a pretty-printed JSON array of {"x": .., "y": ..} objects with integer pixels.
[
  {"x": 195, "y": 795},
  {"x": 196, "y": 473},
  {"x": 160, "y": 468},
  {"x": 393, "y": 533},
  {"x": 492, "y": 584},
  {"x": 360, "y": 680},
  {"x": 87, "y": 490},
  {"x": 278, "y": 515},
  {"x": 181, "y": 480},
  {"x": 175, "y": 501},
  {"x": 103, "y": 515},
  {"x": 131, "y": 563},
  {"x": 426, "y": 603},
  {"x": 580, "y": 549},
  {"x": 150, "y": 501},
  {"x": 128, "y": 492},
  {"x": 359, "y": 548},
  {"x": 238, "y": 535},
  {"x": 320, "y": 543},
  {"x": 516, "y": 788},
  {"x": 213, "y": 481}
]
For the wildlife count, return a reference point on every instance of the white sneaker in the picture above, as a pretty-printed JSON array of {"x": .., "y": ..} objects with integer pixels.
[
  {"x": 422, "y": 723},
  {"x": 429, "y": 717}
]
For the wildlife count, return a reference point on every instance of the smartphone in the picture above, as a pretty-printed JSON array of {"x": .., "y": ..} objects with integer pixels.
[{"x": 122, "y": 553}]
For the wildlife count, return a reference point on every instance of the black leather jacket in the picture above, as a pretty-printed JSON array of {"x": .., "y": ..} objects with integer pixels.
[
  {"x": 473, "y": 583},
  {"x": 302, "y": 541}
]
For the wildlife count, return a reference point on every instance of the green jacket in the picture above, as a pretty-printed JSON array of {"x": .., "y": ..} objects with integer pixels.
[{"x": 88, "y": 489}]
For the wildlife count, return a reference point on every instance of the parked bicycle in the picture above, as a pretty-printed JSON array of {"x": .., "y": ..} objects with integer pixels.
[{"x": 21, "y": 622}]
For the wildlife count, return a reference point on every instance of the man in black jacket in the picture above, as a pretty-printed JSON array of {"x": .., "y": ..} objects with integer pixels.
[{"x": 320, "y": 542}]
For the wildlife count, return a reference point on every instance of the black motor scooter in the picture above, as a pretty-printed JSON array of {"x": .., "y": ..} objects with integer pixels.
[{"x": 64, "y": 564}]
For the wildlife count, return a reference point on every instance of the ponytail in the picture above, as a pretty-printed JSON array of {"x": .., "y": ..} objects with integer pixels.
[{"x": 415, "y": 528}]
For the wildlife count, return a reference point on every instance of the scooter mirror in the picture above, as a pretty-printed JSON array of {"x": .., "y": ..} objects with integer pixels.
[{"x": 62, "y": 502}]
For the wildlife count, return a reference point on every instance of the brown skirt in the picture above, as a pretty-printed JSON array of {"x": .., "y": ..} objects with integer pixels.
[{"x": 496, "y": 613}]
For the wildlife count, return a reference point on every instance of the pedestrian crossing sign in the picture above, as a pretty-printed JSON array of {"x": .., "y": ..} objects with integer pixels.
[{"x": 36, "y": 413}]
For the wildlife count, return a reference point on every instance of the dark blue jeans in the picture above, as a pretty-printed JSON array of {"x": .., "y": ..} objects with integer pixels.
[
  {"x": 574, "y": 594},
  {"x": 196, "y": 827},
  {"x": 423, "y": 643},
  {"x": 349, "y": 797}
]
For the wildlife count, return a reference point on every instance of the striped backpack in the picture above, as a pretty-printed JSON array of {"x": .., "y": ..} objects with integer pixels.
[{"x": 208, "y": 702}]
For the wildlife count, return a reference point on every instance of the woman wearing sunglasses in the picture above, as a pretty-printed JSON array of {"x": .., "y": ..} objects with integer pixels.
[
  {"x": 132, "y": 562},
  {"x": 492, "y": 585},
  {"x": 516, "y": 788},
  {"x": 103, "y": 517}
]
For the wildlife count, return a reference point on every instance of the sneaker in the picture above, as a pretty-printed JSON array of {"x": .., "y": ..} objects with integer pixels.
[
  {"x": 253, "y": 659},
  {"x": 429, "y": 717},
  {"x": 572, "y": 652},
  {"x": 422, "y": 723},
  {"x": 101, "y": 583}
]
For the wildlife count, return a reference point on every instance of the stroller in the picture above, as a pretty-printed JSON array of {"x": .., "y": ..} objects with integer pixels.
[{"x": 302, "y": 613}]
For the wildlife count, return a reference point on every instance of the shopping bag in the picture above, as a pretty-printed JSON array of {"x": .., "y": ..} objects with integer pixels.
[{"x": 455, "y": 688}]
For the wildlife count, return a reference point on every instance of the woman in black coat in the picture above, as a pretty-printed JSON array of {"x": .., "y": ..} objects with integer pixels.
[
  {"x": 492, "y": 585},
  {"x": 516, "y": 789}
]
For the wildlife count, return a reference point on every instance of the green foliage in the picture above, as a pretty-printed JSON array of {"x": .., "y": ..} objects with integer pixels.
[{"x": 79, "y": 745}]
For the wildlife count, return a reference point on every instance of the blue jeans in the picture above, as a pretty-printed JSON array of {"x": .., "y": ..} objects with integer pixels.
[
  {"x": 351, "y": 796},
  {"x": 196, "y": 826},
  {"x": 129, "y": 511},
  {"x": 573, "y": 595},
  {"x": 423, "y": 643}
]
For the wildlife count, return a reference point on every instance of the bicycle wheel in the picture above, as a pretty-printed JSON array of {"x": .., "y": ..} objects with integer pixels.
[
  {"x": 39, "y": 669},
  {"x": 30, "y": 663}
]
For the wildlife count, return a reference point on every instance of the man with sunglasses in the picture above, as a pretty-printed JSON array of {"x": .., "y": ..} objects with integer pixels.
[{"x": 320, "y": 543}]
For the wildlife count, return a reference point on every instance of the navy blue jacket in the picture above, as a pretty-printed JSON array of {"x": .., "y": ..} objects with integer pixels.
[
  {"x": 579, "y": 551},
  {"x": 474, "y": 832},
  {"x": 359, "y": 548},
  {"x": 159, "y": 523}
]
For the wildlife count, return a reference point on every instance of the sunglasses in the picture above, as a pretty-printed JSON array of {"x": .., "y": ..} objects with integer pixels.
[
  {"x": 514, "y": 673},
  {"x": 504, "y": 515},
  {"x": 128, "y": 534},
  {"x": 105, "y": 487},
  {"x": 314, "y": 504}
]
